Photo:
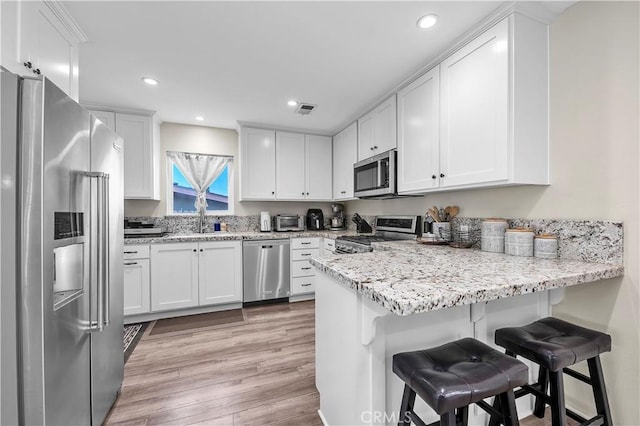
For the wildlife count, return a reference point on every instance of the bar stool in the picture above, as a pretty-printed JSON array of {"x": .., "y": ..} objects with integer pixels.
[
  {"x": 554, "y": 345},
  {"x": 455, "y": 375}
]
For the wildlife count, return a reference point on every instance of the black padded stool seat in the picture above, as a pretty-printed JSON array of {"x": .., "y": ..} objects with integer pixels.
[
  {"x": 553, "y": 343},
  {"x": 458, "y": 374}
]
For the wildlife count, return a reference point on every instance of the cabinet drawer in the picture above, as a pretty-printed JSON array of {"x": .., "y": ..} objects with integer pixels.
[
  {"x": 302, "y": 269},
  {"x": 304, "y": 254},
  {"x": 303, "y": 285},
  {"x": 136, "y": 252},
  {"x": 329, "y": 244},
  {"x": 305, "y": 243}
]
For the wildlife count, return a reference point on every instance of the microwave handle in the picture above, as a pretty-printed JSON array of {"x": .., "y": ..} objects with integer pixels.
[{"x": 380, "y": 164}]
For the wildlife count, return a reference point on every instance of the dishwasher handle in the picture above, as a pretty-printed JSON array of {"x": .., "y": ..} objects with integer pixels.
[{"x": 267, "y": 247}]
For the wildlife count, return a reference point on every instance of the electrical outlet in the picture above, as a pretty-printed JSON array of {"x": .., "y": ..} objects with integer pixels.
[{"x": 464, "y": 228}]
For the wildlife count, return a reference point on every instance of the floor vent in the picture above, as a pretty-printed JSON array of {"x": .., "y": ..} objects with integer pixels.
[{"x": 305, "y": 109}]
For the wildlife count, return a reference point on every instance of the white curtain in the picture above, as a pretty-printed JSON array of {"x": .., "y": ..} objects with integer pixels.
[{"x": 200, "y": 170}]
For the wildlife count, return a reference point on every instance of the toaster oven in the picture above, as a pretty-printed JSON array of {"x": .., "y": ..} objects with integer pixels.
[{"x": 289, "y": 222}]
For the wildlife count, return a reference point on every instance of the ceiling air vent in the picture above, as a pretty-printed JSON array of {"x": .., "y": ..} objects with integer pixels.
[{"x": 305, "y": 109}]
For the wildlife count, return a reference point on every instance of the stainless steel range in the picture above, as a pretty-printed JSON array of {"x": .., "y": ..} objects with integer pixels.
[{"x": 388, "y": 228}]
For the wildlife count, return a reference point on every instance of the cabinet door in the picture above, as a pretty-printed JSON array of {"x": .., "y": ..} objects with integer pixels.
[
  {"x": 107, "y": 117},
  {"x": 318, "y": 167},
  {"x": 419, "y": 134},
  {"x": 384, "y": 126},
  {"x": 290, "y": 170},
  {"x": 136, "y": 286},
  {"x": 345, "y": 154},
  {"x": 136, "y": 131},
  {"x": 365, "y": 136},
  {"x": 475, "y": 110},
  {"x": 174, "y": 276},
  {"x": 258, "y": 164},
  {"x": 44, "y": 41},
  {"x": 220, "y": 272}
]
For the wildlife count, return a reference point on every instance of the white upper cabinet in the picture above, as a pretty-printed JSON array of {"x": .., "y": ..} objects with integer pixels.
[
  {"x": 290, "y": 166},
  {"x": 303, "y": 167},
  {"x": 277, "y": 165},
  {"x": 494, "y": 108},
  {"x": 318, "y": 167},
  {"x": 141, "y": 136},
  {"x": 419, "y": 133},
  {"x": 377, "y": 130},
  {"x": 345, "y": 154},
  {"x": 493, "y": 114},
  {"x": 257, "y": 164},
  {"x": 41, "y": 38}
]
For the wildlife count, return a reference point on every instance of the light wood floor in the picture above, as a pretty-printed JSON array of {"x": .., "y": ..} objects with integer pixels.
[{"x": 258, "y": 372}]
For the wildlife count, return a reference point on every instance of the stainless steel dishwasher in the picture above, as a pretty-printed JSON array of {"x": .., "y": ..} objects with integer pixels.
[{"x": 266, "y": 270}]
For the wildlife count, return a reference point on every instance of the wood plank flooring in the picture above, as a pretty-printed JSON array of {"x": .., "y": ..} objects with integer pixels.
[{"x": 258, "y": 372}]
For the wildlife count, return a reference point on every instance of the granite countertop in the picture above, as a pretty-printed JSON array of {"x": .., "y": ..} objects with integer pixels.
[
  {"x": 408, "y": 278},
  {"x": 227, "y": 236}
]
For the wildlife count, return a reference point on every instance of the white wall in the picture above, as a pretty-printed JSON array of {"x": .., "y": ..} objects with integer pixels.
[
  {"x": 208, "y": 140},
  {"x": 594, "y": 75}
]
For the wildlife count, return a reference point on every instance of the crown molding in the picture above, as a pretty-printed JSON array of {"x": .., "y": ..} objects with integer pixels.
[{"x": 67, "y": 20}]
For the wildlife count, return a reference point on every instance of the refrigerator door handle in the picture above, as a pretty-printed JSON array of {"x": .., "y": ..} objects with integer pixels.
[
  {"x": 98, "y": 325},
  {"x": 106, "y": 283}
]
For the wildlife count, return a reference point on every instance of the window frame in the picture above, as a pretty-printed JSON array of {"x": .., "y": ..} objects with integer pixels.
[{"x": 230, "y": 187}]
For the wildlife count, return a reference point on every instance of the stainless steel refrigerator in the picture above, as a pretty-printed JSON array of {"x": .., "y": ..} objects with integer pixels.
[{"x": 61, "y": 241}]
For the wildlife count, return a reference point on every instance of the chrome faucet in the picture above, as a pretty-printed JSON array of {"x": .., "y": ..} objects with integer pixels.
[{"x": 202, "y": 226}]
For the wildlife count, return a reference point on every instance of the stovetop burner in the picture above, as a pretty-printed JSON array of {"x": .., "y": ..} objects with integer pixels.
[{"x": 388, "y": 228}]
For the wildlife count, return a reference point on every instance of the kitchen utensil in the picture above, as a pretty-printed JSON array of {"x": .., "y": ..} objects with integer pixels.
[
  {"x": 453, "y": 211},
  {"x": 442, "y": 215},
  {"x": 433, "y": 211}
]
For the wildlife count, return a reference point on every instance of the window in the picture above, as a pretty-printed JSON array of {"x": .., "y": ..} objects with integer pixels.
[{"x": 188, "y": 172}]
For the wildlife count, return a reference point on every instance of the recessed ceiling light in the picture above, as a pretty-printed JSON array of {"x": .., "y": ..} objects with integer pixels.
[
  {"x": 292, "y": 103},
  {"x": 150, "y": 81},
  {"x": 200, "y": 118},
  {"x": 427, "y": 21}
]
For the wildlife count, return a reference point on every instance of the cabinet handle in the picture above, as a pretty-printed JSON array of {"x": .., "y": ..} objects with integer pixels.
[
  {"x": 273, "y": 192},
  {"x": 130, "y": 263},
  {"x": 201, "y": 249},
  {"x": 194, "y": 250},
  {"x": 28, "y": 64},
  {"x": 441, "y": 175},
  {"x": 306, "y": 269},
  {"x": 305, "y": 254},
  {"x": 305, "y": 244},
  {"x": 375, "y": 147},
  {"x": 267, "y": 247},
  {"x": 371, "y": 148},
  {"x": 36, "y": 71},
  {"x": 307, "y": 193},
  {"x": 433, "y": 176},
  {"x": 305, "y": 285},
  {"x": 130, "y": 252}
]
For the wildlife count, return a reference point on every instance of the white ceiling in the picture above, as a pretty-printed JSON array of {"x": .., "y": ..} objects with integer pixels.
[{"x": 242, "y": 61}]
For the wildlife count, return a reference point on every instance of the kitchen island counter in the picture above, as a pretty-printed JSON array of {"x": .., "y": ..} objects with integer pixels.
[
  {"x": 406, "y": 296},
  {"x": 407, "y": 277}
]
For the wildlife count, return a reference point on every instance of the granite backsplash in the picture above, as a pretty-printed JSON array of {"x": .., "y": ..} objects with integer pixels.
[{"x": 587, "y": 240}]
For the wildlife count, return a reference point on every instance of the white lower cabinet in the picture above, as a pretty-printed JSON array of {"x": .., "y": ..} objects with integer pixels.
[
  {"x": 174, "y": 276},
  {"x": 136, "y": 280},
  {"x": 220, "y": 272},
  {"x": 186, "y": 275},
  {"x": 303, "y": 275}
]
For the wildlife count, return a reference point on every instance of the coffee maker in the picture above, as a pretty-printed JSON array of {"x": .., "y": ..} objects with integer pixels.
[
  {"x": 338, "y": 221},
  {"x": 315, "y": 220}
]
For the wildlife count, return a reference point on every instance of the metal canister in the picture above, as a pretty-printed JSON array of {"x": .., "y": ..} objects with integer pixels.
[
  {"x": 519, "y": 242},
  {"x": 545, "y": 246},
  {"x": 492, "y": 235}
]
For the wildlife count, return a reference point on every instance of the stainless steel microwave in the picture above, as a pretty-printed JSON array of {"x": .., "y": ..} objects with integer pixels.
[
  {"x": 375, "y": 176},
  {"x": 289, "y": 222}
]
